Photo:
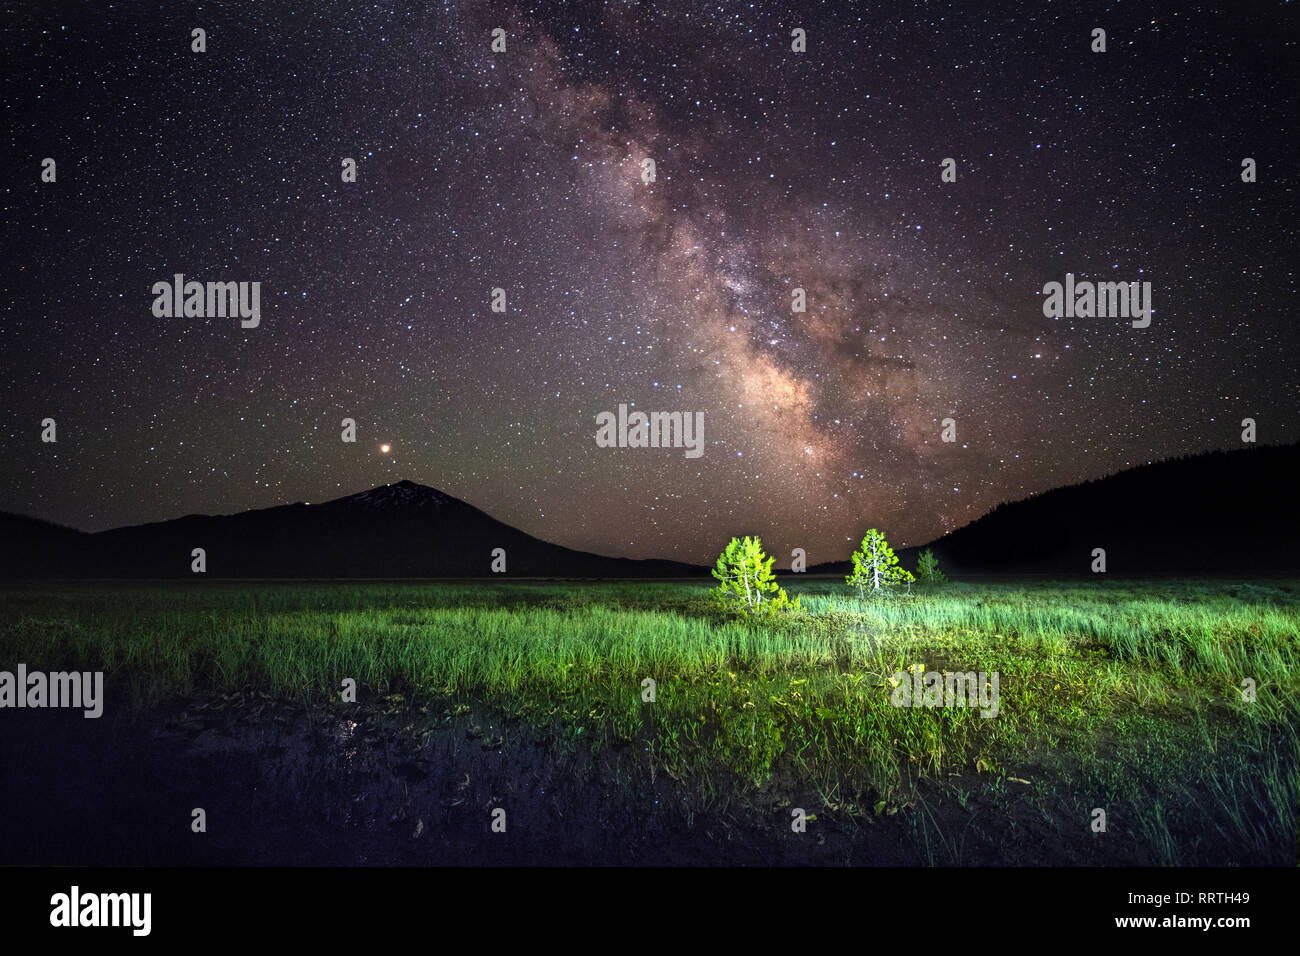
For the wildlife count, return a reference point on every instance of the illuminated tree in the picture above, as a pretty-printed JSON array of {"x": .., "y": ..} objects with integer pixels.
[
  {"x": 746, "y": 582},
  {"x": 875, "y": 566}
]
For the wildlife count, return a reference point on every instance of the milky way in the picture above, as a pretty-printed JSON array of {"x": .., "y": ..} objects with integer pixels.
[{"x": 523, "y": 170}]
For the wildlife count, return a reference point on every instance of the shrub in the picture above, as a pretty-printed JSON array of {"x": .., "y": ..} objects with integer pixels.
[
  {"x": 927, "y": 569},
  {"x": 746, "y": 582},
  {"x": 875, "y": 566}
]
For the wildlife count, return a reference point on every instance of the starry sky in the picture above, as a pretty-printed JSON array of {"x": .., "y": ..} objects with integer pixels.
[{"x": 522, "y": 170}]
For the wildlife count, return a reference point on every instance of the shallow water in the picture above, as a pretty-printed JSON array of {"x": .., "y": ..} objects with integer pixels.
[{"x": 395, "y": 784}]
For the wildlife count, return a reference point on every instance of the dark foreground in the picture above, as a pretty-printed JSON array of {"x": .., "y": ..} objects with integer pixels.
[{"x": 395, "y": 785}]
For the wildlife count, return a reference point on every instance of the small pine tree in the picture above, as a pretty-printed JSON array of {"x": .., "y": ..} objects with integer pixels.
[
  {"x": 746, "y": 582},
  {"x": 875, "y": 566},
  {"x": 927, "y": 569}
]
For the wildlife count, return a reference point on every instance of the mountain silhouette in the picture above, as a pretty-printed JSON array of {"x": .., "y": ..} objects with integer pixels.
[
  {"x": 1223, "y": 512},
  {"x": 393, "y": 531},
  {"x": 1216, "y": 513}
]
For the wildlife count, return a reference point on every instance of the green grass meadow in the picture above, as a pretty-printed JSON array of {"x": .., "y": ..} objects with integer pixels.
[{"x": 1120, "y": 695}]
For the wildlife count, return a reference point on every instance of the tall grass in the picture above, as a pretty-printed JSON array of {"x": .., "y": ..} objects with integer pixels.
[{"x": 806, "y": 699}]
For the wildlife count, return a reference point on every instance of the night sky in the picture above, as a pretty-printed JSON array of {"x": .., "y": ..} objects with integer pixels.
[{"x": 522, "y": 170}]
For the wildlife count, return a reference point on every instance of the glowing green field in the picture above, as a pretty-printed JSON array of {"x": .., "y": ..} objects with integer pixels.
[{"x": 1118, "y": 695}]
